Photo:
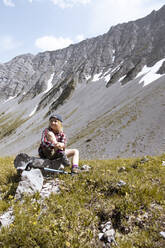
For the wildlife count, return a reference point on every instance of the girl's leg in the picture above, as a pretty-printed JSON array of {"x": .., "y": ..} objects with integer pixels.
[{"x": 74, "y": 153}]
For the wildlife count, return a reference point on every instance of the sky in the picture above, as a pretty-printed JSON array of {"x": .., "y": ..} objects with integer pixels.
[{"x": 33, "y": 26}]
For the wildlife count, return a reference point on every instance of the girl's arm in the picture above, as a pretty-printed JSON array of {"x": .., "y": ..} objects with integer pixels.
[
  {"x": 51, "y": 137},
  {"x": 59, "y": 145},
  {"x": 62, "y": 144}
]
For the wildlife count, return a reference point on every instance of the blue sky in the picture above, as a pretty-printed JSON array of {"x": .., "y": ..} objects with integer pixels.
[{"x": 33, "y": 26}]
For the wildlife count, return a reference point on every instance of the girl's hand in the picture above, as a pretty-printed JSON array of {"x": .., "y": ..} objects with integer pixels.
[{"x": 60, "y": 145}]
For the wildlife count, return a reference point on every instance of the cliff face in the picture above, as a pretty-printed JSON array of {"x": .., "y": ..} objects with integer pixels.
[{"x": 94, "y": 81}]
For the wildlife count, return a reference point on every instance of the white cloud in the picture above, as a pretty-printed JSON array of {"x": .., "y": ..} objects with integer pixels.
[
  {"x": 80, "y": 37},
  {"x": 9, "y": 3},
  {"x": 7, "y": 43},
  {"x": 106, "y": 13},
  {"x": 69, "y": 3},
  {"x": 50, "y": 43}
]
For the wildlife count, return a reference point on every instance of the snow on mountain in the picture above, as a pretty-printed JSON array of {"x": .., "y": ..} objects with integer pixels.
[{"x": 149, "y": 74}]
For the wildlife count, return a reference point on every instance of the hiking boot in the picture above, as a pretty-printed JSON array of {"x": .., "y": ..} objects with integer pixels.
[{"x": 76, "y": 170}]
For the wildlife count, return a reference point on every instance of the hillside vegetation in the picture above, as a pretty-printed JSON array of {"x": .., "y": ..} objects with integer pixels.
[{"x": 73, "y": 217}]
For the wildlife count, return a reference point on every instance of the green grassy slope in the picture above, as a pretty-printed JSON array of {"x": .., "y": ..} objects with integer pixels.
[{"x": 73, "y": 217}]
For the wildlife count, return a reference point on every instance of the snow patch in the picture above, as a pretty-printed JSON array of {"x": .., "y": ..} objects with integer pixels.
[
  {"x": 122, "y": 78},
  {"x": 150, "y": 73},
  {"x": 117, "y": 67},
  {"x": 59, "y": 76},
  {"x": 33, "y": 111},
  {"x": 87, "y": 77},
  {"x": 49, "y": 85},
  {"x": 107, "y": 78},
  {"x": 10, "y": 98},
  {"x": 96, "y": 77},
  {"x": 113, "y": 57}
]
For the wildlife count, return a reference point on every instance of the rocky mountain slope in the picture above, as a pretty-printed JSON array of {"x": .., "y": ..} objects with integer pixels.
[{"x": 109, "y": 90}]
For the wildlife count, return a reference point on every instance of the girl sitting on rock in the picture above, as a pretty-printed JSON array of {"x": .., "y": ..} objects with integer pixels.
[{"x": 53, "y": 144}]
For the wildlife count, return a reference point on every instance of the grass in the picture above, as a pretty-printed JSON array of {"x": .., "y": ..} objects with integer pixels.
[{"x": 73, "y": 217}]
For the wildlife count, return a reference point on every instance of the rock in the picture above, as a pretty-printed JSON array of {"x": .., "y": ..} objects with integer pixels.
[
  {"x": 23, "y": 161},
  {"x": 109, "y": 235},
  {"x": 134, "y": 166},
  {"x": 121, "y": 183},
  {"x": 162, "y": 234},
  {"x": 144, "y": 160},
  {"x": 7, "y": 218},
  {"x": 101, "y": 235},
  {"x": 50, "y": 187},
  {"x": 85, "y": 167},
  {"x": 32, "y": 173},
  {"x": 122, "y": 169},
  {"x": 106, "y": 226},
  {"x": 163, "y": 163},
  {"x": 31, "y": 182}
]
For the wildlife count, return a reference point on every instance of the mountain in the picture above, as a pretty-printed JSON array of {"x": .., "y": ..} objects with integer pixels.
[{"x": 110, "y": 91}]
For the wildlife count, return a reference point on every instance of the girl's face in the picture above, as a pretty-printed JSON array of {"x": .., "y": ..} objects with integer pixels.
[{"x": 55, "y": 124}]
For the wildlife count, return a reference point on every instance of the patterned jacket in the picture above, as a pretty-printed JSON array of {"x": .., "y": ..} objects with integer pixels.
[{"x": 60, "y": 137}]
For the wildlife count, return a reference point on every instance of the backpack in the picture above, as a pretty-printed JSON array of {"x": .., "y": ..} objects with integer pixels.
[{"x": 40, "y": 152}]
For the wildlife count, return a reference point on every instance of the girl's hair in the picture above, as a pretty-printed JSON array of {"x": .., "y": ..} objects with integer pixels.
[{"x": 60, "y": 127}]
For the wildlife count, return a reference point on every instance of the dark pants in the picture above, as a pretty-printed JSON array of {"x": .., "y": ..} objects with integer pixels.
[{"x": 47, "y": 152}]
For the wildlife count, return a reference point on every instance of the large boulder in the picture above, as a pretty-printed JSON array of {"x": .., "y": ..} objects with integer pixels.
[
  {"x": 31, "y": 182},
  {"x": 31, "y": 171},
  {"x": 23, "y": 162}
]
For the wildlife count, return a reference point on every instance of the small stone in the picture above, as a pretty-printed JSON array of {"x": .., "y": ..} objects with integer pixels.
[
  {"x": 122, "y": 169},
  {"x": 162, "y": 234},
  {"x": 108, "y": 227},
  {"x": 7, "y": 218},
  {"x": 49, "y": 187},
  {"x": 121, "y": 183},
  {"x": 163, "y": 163},
  {"x": 144, "y": 160},
  {"x": 85, "y": 167},
  {"x": 102, "y": 226},
  {"x": 109, "y": 236},
  {"x": 101, "y": 235},
  {"x": 110, "y": 233},
  {"x": 108, "y": 223}
]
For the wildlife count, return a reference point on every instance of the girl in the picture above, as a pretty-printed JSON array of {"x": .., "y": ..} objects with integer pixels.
[{"x": 53, "y": 144}]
